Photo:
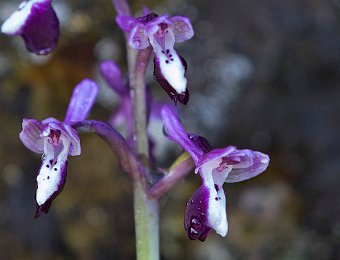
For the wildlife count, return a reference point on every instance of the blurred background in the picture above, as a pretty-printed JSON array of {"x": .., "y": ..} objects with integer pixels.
[{"x": 263, "y": 75}]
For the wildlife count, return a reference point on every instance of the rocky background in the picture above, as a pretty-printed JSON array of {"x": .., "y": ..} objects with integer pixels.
[{"x": 263, "y": 75}]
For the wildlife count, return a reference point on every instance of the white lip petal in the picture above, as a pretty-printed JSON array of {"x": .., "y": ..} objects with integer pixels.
[
  {"x": 213, "y": 179},
  {"x": 52, "y": 171},
  {"x": 173, "y": 71}
]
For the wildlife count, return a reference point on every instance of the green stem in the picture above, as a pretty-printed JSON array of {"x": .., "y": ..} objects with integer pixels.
[{"x": 145, "y": 208}]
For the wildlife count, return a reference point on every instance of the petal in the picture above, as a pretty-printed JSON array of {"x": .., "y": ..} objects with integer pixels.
[
  {"x": 82, "y": 100},
  {"x": 201, "y": 142},
  {"x": 68, "y": 133},
  {"x": 37, "y": 23},
  {"x": 171, "y": 77},
  {"x": 260, "y": 163},
  {"x": 175, "y": 132},
  {"x": 75, "y": 148},
  {"x": 138, "y": 38},
  {"x": 196, "y": 215},
  {"x": 215, "y": 156},
  {"x": 125, "y": 22},
  {"x": 182, "y": 28},
  {"x": 213, "y": 180},
  {"x": 30, "y": 135},
  {"x": 153, "y": 22},
  {"x": 217, "y": 214},
  {"x": 50, "y": 180},
  {"x": 112, "y": 74}
]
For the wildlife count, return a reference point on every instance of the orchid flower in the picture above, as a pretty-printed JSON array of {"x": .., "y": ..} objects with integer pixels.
[
  {"x": 37, "y": 23},
  {"x": 161, "y": 32},
  {"x": 57, "y": 140},
  {"x": 206, "y": 208}
]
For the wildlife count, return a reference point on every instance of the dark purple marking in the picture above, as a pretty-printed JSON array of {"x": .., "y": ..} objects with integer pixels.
[
  {"x": 41, "y": 29},
  {"x": 201, "y": 142},
  {"x": 147, "y": 18},
  {"x": 195, "y": 219}
]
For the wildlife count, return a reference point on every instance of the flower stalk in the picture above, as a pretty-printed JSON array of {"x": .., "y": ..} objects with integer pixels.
[{"x": 145, "y": 208}]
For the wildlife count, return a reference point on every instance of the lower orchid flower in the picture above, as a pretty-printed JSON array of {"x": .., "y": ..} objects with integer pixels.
[
  {"x": 206, "y": 208},
  {"x": 57, "y": 140}
]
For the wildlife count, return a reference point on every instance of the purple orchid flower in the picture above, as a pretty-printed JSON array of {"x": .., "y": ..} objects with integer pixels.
[
  {"x": 37, "y": 23},
  {"x": 206, "y": 208},
  {"x": 162, "y": 32},
  {"x": 57, "y": 140}
]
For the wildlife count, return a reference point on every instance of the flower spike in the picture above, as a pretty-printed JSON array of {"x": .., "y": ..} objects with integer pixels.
[
  {"x": 206, "y": 208},
  {"x": 37, "y": 23}
]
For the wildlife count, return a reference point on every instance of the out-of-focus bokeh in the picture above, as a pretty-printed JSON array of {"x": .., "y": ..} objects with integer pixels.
[{"x": 263, "y": 75}]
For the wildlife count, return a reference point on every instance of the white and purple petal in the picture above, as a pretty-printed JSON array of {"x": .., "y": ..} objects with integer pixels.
[
  {"x": 213, "y": 180},
  {"x": 206, "y": 209},
  {"x": 82, "y": 100},
  {"x": 30, "y": 135},
  {"x": 67, "y": 134},
  {"x": 260, "y": 162},
  {"x": 138, "y": 38},
  {"x": 170, "y": 75},
  {"x": 51, "y": 179},
  {"x": 215, "y": 156},
  {"x": 37, "y": 23}
]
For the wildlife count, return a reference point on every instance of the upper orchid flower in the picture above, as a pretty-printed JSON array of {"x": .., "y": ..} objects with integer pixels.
[
  {"x": 37, "y": 23},
  {"x": 162, "y": 32},
  {"x": 206, "y": 208},
  {"x": 57, "y": 140}
]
